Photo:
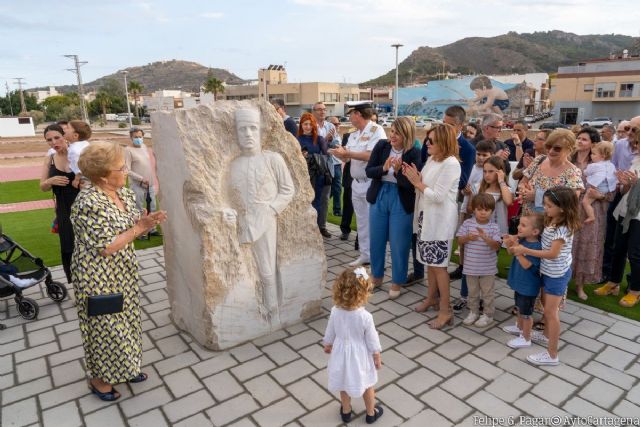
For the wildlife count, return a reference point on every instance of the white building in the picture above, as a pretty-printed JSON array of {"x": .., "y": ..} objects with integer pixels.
[
  {"x": 41, "y": 95},
  {"x": 537, "y": 81}
]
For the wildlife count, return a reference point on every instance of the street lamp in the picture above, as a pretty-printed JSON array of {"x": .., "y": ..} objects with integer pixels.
[
  {"x": 395, "y": 98},
  {"x": 126, "y": 94}
]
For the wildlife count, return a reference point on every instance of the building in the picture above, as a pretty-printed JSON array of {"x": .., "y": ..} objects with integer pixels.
[
  {"x": 607, "y": 87},
  {"x": 537, "y": 96},
  {"x": 41, "y": 95},
  {"x": 168, "y": 100},
  {"x": 273, "y": 84},
  {"x": 16, "y": 126}
]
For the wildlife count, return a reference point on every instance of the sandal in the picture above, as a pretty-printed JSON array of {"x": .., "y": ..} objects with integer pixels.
[
  {"x": 139, "y": 378},
  {"x": 607, "y": 289},
  {"x": 345, "y": 417},
  {"x": 377, "y": 413},
  {"x": 424, "y": 306},
  {"x": 108, "y": 396},
  {"x": 629, "y": 300},
  {"x": 538, "y": 326}
]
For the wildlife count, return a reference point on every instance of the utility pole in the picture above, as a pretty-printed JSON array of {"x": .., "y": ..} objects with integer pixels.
[
  {"x": 126, "y": 94},
  {"x": 395, "y": 98},
  {"x": 78, "y": 64},
  {"x": 23, "y": 106},
  {"x": 6, "y": 84}
]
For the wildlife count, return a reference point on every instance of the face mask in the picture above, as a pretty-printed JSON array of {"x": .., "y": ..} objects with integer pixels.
[{"x": 137, "y": 141}]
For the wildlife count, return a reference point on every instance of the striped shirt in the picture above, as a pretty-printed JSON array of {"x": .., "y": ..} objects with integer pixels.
[
  {"x": 479, "y": 258},
  {"x": 556, "y": 267}
]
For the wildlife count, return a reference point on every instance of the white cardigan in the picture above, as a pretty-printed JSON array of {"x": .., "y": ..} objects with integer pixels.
[{"x": 438, "y": 202}]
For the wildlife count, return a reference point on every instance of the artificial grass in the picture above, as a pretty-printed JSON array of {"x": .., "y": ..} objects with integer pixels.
[
  {"x": 32, "y": 231},
  {"x": 22, "y": 191}
]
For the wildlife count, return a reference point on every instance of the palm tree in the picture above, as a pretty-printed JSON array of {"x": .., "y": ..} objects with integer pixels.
[
  {"x": 213, "y": 85},
  {"x": 135, "y": 89},
  {"x": 104, "y": 100}
]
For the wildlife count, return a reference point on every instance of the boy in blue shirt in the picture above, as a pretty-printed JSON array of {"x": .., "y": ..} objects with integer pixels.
[{"x": 524, "y": 278}]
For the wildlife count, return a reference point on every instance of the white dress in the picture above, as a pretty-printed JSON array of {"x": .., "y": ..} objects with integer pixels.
[{"x": 354, "y": 338}]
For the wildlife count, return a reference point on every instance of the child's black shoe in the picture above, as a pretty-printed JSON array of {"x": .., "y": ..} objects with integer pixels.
[
  {"x": 377, "y": 413},
  {"x": 345, "y": 417}
]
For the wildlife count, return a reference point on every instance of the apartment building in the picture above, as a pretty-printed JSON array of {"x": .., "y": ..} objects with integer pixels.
[{"x": 607, "y": 87}]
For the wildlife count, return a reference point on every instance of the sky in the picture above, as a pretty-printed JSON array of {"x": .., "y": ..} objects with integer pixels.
[{"x": 316, "y": 40}]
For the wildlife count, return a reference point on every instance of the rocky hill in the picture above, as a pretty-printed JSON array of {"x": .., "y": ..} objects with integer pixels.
[
  {"x": 506, "y": 54},
  {"x": 174, "y": 74}
]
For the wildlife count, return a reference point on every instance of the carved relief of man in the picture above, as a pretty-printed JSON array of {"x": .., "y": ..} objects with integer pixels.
[{"x": 260, "y": 188}]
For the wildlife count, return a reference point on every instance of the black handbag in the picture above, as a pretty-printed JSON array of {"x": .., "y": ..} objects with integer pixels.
[{"x": 105, "y": 304}]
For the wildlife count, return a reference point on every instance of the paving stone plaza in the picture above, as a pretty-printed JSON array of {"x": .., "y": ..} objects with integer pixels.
[{"x": 459, "y": 376}]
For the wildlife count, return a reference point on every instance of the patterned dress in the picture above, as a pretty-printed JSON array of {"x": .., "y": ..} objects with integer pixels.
[
  {"x": 571, "y": 177},
  {"x": 113, "y": 342}
]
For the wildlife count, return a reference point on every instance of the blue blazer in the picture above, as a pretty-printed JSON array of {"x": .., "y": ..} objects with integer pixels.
[{"x": 406, "y": 190}]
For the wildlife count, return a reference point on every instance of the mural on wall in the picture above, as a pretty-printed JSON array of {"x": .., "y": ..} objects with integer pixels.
[{"x": 478, "y": 94}]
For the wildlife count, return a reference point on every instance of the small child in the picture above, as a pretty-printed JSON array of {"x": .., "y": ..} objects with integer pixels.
[
  {"x": 494, "y": 183},
  {"x": 481, "y": 240},
  {"x": 77, "y": 134},
  {"x": 484, "y": 150},
  {"x": 488, "y": 99},
  {"x": 524, "y": 277},
  {"x": 562, "y": 220},
  {"x": 352, "y": 340},
  {"x": 601, "y": 175}
]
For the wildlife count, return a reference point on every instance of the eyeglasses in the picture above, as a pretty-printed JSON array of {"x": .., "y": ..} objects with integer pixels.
[
  {"x": 556, "y": 148},
  {"x": 319, "y": 109},
  {"x": 123, "y": 169},
  {"x": 495, "y": 127}
]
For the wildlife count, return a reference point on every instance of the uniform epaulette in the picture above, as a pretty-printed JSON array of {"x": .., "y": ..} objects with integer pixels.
[{"x": 351, "y": 130}]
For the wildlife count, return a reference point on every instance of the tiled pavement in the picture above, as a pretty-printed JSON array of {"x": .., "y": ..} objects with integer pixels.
[{"x": 429, "y": 377}]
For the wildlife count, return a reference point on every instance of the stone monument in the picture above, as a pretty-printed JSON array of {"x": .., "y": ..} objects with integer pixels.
[{"x": 243, "y": 254}]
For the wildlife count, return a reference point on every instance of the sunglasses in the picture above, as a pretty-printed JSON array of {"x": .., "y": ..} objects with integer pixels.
[{"x": 556, "y": 148}]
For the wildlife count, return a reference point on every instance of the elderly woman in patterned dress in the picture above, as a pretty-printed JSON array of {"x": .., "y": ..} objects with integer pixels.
[{"x": 106, "y": 223}]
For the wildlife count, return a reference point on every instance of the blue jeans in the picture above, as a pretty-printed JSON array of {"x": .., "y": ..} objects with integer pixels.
[
  {"x": 464, "y": 290},
  {"x": 388, "y": 221},
  {"x": 336, "y": 188},
  {"x": 318, "y": 185}
]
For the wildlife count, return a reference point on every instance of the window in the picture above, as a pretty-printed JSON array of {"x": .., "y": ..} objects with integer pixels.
[
  {"x": 24, "y": 121},
  {"x": 329, "y": 97},
  {"x": 588, "y": 88},
  {"x": 626, "y": 89},
  {"x": 291, "y": 97},
  {"x": 605, "y": 90}
]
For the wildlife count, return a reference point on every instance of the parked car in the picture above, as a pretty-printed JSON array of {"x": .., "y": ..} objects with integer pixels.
[
  {"x": 598, "y": 122},
  {"x": 553, "y": 125},
  {"x": 529, "y": 119},
  {"x": 508, "y": 124},
  {"x": 386, "y": 121}
]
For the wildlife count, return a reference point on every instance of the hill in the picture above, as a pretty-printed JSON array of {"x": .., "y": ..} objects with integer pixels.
[
  {"x": 506, "y": 54},
  {"x": 174, "y": 74}
]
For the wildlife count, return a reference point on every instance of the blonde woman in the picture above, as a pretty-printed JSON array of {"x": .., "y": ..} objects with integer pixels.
[
  {"x": 436, "y": 216},
  {"x": 392, "y": 199}
]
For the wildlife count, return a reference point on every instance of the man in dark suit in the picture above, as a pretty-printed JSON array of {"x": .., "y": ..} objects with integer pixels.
[
  {"x": 518, "y": 144},
  {"x": 289, "y": 123}
]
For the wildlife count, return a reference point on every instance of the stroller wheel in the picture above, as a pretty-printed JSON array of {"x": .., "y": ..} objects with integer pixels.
[
  {"x": 28, "y": 308},
  {"x": 56, "y": 291}
]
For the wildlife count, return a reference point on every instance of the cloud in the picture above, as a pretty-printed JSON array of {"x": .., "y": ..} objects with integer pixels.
[{"x": 212, "y": 15}]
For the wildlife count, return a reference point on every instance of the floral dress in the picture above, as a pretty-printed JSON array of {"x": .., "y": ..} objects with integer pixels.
[
  {"x": 571, "y": 177},
  {"x": 112, "y": 342}
]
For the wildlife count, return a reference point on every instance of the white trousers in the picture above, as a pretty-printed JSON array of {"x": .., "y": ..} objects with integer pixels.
[{"x": 361, "y": 209}]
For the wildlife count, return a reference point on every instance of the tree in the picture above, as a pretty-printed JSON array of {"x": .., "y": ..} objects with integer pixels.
[
  {"x": 55, "y": 105},
  {"x": 213, "y": 85},
  {"x": 13, "y": 101},
  {"x": 135, "y": 89},
  {"x": 103, "y": 100}
]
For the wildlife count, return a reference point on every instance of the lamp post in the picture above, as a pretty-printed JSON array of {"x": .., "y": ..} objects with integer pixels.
[
  {"x": 395, "y": 98},
  {"x": 126, "y": 94}
]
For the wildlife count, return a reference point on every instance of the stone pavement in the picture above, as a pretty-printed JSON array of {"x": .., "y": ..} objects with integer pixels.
[{"x": 435, "y": 378}]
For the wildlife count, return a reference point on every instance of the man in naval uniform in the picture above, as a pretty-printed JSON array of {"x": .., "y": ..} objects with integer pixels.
[
  {"x": 357, "y": 152},
  {"x": 261, "y": 188}
]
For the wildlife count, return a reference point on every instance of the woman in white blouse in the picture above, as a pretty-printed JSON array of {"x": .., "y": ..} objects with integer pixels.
[{"x": 436, "y": 216}]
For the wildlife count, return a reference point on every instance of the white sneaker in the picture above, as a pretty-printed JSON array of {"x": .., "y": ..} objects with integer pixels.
[
  {"x": 539, "y": 338},
  {"x": 543, "y": 359},
  {"x": 513, "y": 330},
  {"x": 519, "y": 342},
  {"x": 483, "y": 321},
  {"x": 470, "y": 319},
  {"x": 360, "y": 261}
]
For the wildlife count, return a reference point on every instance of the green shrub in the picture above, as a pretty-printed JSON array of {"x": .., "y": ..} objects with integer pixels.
[
  {"x": 135, "y": 121},
  {"x": 122, "y": 125}
]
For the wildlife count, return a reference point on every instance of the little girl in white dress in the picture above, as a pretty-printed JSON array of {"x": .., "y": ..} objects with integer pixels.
[{"x": 352, "y": 340}]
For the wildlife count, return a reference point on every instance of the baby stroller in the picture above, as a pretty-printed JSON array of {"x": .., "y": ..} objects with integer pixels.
[{"x": 20, "y": 270}]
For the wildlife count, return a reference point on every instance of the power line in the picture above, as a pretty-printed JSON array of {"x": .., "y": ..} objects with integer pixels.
[
  {"x": 78, "y": 64},
  {"x": 23, "y": 106}
]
